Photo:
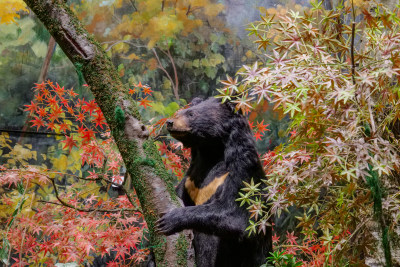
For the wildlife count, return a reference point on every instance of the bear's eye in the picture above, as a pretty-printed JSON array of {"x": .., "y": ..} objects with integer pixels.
[{"x": 190, "y": 114}]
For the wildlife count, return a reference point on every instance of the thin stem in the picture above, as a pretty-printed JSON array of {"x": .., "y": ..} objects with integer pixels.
[
  {"x": 85, "y": 210},
  {"x": 175, "y": 73},
  {"x": 76, "y": 208},
  {"x": 353, "y": 65},
  {"x": 166, "y": 72},
  {"x": 353, "y": 33}
]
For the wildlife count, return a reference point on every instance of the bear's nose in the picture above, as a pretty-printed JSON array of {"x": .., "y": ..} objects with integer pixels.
[{"x": 170, "y": 123}]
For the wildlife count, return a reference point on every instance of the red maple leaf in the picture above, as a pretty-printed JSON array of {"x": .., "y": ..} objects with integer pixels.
[
  {"x": 70, "y": 109},
  {"x": 291, "y": 238},
  {"x": 88, "y": 246},
  {"x": 69, "y": 143},
  {"x": 251, "y": 124},
  {"x": 63, "y": 101},
  {"x": 39, "y": 98},
  {"x": 144, "y": 102},
  {"x": 72, "y": 93},
  {"x": 51, "y": 125},
  {"x": 87, "y": 135},
  {"x": 31, "y": 108},
  {"x": 81, "y": 130},
  {"x": 80, "y": 103},
  {"x": 41, "y": 112},
  {"x": 46, "y": 93},
  {"x": 258, "y": 135},
  {"x": 131, "y": 91},
  {"x": 52, "y": 101},
  {"x": 139, "y": 85},
  {"x": 104, "y": 250},
  {"x": 147, "y": 90},
  {"x": 163, "y": 148},
  {"x": 114, "y": 165},
  {"x": 37, "y": 122},
  {"x": 55, "y": 113},
  {"x": 121, "y": 251},
  {"x": 59, "y": 90},
  {"x": 50, "y": 83},
  {"x": 99, "y": 119},
  {"x": 80, "y": 117},
  {"x": 19, "y": 263},
  {"x": 39, "y": 86},
  {"x": 64, "y": 127},
  {"x": 89, "y": 106},
  {"x": 261, "y": 127}
]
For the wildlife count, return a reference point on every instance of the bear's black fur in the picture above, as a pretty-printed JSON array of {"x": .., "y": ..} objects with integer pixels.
[{"x": 223, "y": 156}]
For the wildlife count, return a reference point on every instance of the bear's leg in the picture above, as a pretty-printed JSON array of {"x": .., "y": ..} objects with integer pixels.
[{"x": 206, "y": 248}]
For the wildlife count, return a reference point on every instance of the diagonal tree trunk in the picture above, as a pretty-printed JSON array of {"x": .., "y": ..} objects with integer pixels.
[{"x": 151, "y": 181}]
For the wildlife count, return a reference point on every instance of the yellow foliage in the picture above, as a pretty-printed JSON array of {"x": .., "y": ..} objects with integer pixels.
[
  {"x": 132, "y": 56},
  {"x": 9, "y": 9},
  {"x": 152, "y": 64},
  {"x": 262, "y": 10},
  {"x": 249, "y": 54},
  {"x": 162, "y": 26},
  {"x": 213, "y": 10},
  {"x": 166, "y": 84},
  {"x": 121, "y": 48},
  {"x": 4, "y": 140},
  {"x": 282, "y": 10},
  {"x": 60, "y": 163},
  {"x": 70, "y": 162},
  {"x": 20, "y": 154},
  {"x": 92, "y": 189}
]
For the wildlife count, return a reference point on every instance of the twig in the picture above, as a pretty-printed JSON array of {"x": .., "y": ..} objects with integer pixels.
[
  {"x": 166, "y": 72},
  {"x": 122, "y": 41},
  {"x": 23, "y": 236},
  {"x": 188, "y": 11},
  {"x": 85, "y": 179},
  {"x": 353, "y": 33},
  {"x": 133, "y": 5},
  {"x": 79, "y": 209},
  {"x": 85, "y": 210},
  {"x": 175, "y": 73},
  {"x": 353, "y": 66}
]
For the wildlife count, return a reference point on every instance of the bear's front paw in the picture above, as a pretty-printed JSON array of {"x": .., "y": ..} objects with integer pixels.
[{"x": 169, "y": 223}]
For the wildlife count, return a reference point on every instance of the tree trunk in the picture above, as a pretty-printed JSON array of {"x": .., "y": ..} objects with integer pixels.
[{"x": 153, "y": 184}]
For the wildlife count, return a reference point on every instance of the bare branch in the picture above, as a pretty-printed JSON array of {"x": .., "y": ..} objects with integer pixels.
[{"x": 166, "y": 73}]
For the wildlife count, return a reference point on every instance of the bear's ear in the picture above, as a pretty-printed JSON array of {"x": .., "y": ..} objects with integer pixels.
[{"x": 196, "y": 101}]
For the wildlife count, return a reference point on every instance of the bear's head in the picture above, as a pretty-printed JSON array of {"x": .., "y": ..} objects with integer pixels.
[{"x": 204, "y": 122}]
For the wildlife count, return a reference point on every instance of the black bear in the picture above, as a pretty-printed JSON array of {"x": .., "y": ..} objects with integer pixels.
[{"x": 223, "y": 156}]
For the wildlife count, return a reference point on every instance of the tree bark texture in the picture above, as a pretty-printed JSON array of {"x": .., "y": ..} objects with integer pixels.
[{"x": 153, "y": 185}]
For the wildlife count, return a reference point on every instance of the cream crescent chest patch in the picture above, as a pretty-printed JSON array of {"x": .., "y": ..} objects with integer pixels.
[{"x": 201, "y": 195}]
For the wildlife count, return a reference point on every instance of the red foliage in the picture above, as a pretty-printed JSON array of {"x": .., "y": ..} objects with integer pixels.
[{"x": 77, "y": 222}]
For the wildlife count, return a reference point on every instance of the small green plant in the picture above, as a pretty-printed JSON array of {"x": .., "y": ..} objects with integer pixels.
[{"x": 280, "y": 259}]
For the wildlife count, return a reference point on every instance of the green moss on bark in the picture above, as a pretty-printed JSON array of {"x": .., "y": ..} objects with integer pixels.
[
  {"x": 182, "y": 248},
  {"x": 151, "y": 151}
]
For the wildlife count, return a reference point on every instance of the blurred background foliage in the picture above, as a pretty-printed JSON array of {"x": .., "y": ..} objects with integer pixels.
[{"x": 181, "y": 49}]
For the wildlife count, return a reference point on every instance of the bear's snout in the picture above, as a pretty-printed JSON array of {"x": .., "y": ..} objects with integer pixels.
[{"x": 170, "y": 124}]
